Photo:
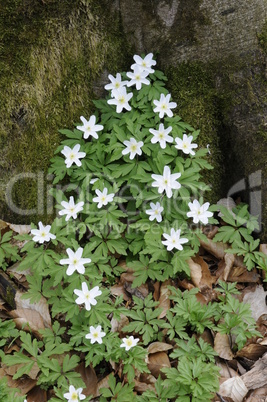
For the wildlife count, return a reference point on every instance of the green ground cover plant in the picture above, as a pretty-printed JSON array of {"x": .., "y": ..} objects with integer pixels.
[{"x": 129, "y": 196}]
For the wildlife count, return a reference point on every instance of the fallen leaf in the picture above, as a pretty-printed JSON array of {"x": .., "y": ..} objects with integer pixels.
[
  {"x": 226, "y": 372},
  {"x": 256, "y": 298},
  {"x": 13, "y": 369},
  {"x": 117, "y": 325},
  {"x": 37, "y": 394},
  {"x": 164, "y": 298},
  {"x": 41, "y": 307},
  {"x": 195, "y": 272},
  {"x": 24, "y": 385},
  {"x": 102, "y": 384},
  {"x": 252, "y": 351},
  {"x": 222, "y": 346},
  {"x": 89, "y": 377},
  {"x": 155, "y": 347},
  {"x": 229, "y": 262},
  {"x": 24, "y": 316},
  {"x": 20, "y": 229},
  {"x": 241, "y": 274},
  {"x": 143, "y": 386},
  {"x": 118, "y": 290},
  {"x": 156, "y": 361},
  {"x": 234, "y": 388}
]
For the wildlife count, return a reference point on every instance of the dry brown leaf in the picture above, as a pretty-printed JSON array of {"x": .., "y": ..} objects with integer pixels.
[
  {"x": 252, "y": 351},
  {"x": 263, "y": 248},
  {"x": 20, "y": 229},
  {"x": 157, "y": 361},
  {"x": 24, "y": 316},
  {"x": 215, "y": 248},
  {"x": 207, "y": 279},
  {"x": 256, "y": 298},
  {"x": 17, "y": 273},
  {"x": 229, "y": 262},
  {"x": 102, "y": 384},
  {"x": 241, "y": 274},
  {"x": 222, "y": 346},
  {"x": 234, "y": 388},
  {"x": 118, "y": 290},
  {"x": 156, "y": 293},
  {"x": 164, "y": 298},
  {"x": 37, "y": 394},
  {"x": 116, "y": 326},
  {"x": 24, "y": 385},
  {"x": 89, "y": 377},
  {"x": 41, "y": 307},
  {"x": 13, "y": 369},
  {"x": 143, "y": 386},
  {"x": 218, "y": 250},
  {"x": 226, "y": 372},
  {"x": 155, "y": 347},
  {"x": 195, "y": 272}
]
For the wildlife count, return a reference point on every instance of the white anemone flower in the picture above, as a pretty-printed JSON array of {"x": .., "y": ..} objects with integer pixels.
[
  {"x": 132, "y": 147},
  {"x": 161, "y": 135},
  {"x": 138, "y": 77},
  {"x": 89, "y": 127},
  {"x": 198, "y": 212},
  {"x": 146, "y": 63},
  {"x": 73, "y": 155},
  {"x": 121, "y": 99},
  {"x": 155, "y": 212},
  {"x": 174, "y": 240},
  {"x": 167, "y": 182},
  {"x": 75, "y": 261},
  {"x": 164, "y": 106},
  {"x": 95, "y": 334},
  {"x": 74, "y": 395},
  {"x": 103, "y": 198},
  {"x": 129, "y": 342},
  {"x": 115, "y": 83},
  {"x": 71, "y": 209},
  {"x": 186, "y": 144},
  {"x": 42, "y": 234},
  {"x": 86, "y": 296}
]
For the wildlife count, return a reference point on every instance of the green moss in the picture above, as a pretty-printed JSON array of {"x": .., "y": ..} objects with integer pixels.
[
  {"x": 47, "y": 84},
  {"x": 193, "y": 88},
  {"x": 262, "y": 37}
]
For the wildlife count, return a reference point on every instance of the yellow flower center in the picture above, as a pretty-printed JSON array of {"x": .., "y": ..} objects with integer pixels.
[
  {"x": 117, "y": 85},
  {"x": 164, "y": 106},
  {"x": 103, "y": 198},
  {"x": 138, "y": 77},
  {"x": 72, "y": 156},
  {"x": 165, "y": 181},
  {"x": 161, "y": 136},
  {"x": 143, "y": 63},
  {"x": 72, "y": 209},
  {"x": 95, "y": 334},
  {"x": 122, "y": 99},
  {"x": 156, "y": 212},
  {"x": 75, "y": 261},
  {"x": 88, "y": 128},
  {"x": 43, "y": 234},
  {"x": 74, "y": 396},
  {"x": 129, "y": 342},
  {"x": 133, "y": 148},
  {"x": 87, "y": 295}
]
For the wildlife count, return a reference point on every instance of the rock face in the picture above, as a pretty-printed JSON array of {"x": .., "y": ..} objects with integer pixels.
[{"x": 214, "y": 53}]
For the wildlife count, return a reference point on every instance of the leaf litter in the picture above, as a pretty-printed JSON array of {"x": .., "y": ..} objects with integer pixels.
[{"x": 243, "y": 373}]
